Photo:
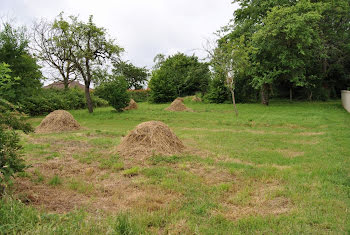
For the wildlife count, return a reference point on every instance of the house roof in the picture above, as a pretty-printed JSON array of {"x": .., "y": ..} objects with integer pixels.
[{"x": 60, "y": 85}]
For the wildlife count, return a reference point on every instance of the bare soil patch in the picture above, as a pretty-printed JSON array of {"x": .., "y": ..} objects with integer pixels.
[
  {"x": 290, "y": 153},
  {"x": 261, "y": 201},
  {"x": 58, "y": 121},
  {"x": 311, "y": 133},
  {"x": 97, "y": 189}
]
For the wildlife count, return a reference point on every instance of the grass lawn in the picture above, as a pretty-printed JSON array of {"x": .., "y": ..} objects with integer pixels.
[{"x": 278, "y": 169}]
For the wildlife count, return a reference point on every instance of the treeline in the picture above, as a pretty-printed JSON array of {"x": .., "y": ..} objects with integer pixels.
[{"x": 283, "y": 49}]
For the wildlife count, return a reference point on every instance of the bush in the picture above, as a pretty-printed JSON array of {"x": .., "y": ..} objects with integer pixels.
[
  {"x": 139, "y": 95},
  {"x": 178, "y": 76},
  {"x": 49, "y": 100},
  {"x": 218, "y": 92},
  {"x": 10, "y": 158},
  {"x": 115, "y": 92}
]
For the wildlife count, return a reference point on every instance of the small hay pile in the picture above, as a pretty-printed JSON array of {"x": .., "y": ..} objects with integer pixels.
[
  {"x": 132, "y": 105},
  {"x": 58, "y": 121},
  {"x": 150, "y": 138},
  {"x": 196, "y": 99},
  {"x": 177, "y": 105}
]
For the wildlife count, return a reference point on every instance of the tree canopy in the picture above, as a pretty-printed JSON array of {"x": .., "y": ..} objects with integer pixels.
[{"x": 178, "y": 75}]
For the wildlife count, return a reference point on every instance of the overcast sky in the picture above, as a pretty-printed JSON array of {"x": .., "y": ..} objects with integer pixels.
[{"x": 143, "y": 28}]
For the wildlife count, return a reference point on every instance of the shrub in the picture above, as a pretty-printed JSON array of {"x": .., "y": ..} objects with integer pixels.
[
  {"x": 49, "y": 100},
  {"x": 218, "y": 92},
  {"x": 10, "y": 158},
  {"x": 139, "y": 95},
  {"x": 115, "y": 92},
  {"x": 178, "y": 76}
]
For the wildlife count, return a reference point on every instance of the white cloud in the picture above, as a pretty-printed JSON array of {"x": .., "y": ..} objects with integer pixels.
[{"x": 143, "y": 28}]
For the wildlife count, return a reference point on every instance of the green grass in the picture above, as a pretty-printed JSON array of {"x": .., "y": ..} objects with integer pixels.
[
  {"x": 55, "y": 181},
  {"x": 295, "y": 154}
]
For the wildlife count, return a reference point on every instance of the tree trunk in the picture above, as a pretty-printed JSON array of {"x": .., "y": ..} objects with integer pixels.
[
  {"x": 88, "y": 97},
  {"x": 265, "y": 94},
  {"x": 234, "y": 102},
  {"x": 290, "y": 94},
  {"x": 310, "y": 96},
  {"x": 66, "y": 83}
]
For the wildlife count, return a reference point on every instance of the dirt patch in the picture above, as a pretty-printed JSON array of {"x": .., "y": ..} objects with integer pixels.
[
  {"x": 177, "y": 106},
  {"x": 132, "y": 105},
  {"x": 290, "y": 153},
  {"x": 150, "y": 138},
  {"x": 311, "y": 133},
  {"x": 259, "y": 200},
  {"x": 58, "y": 121},
  {"x": 211, "y": 175},
  {"x": 84, "y": 185}
]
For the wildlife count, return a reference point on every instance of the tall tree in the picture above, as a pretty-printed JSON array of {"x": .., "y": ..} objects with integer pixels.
[
  {"x": 136, "y": 77},
  {"x": 89, "y": 48},
  {"x": 14, "y": 51},
  {"x": 179, "y": 75},
  {"x": 45, "y": 40},
  {"x": 230, "y": 58},
  {"x": 287, "y": 45}
]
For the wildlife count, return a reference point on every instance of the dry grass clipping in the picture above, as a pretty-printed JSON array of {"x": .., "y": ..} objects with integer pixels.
[
  {"x": 150, "y": 138},
  {"x": 132, "y": 105},
  {"x": 58, "y": 121},
  {"x": 196, "y": 99},
  {"x": 177, "y": 105}
]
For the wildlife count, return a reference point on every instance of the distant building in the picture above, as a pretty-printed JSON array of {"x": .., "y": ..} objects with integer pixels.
[{"x": 60, "y": 85}]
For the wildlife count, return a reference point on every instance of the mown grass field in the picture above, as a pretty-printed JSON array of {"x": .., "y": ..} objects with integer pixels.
[{"x": 278, "y": 169}]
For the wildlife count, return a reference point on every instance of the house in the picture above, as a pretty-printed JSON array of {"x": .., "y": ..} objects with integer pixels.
[{"x": 60, "y": 85}]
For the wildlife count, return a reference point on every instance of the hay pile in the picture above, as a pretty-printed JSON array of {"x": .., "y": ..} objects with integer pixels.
[
  {"x": 196, "y": 99},
  {"x": 58, "y": 121},
  {"x": 132, "y": 105},
  {"x": 177, "y": 105},
  {"x": 150, "y": 138}
]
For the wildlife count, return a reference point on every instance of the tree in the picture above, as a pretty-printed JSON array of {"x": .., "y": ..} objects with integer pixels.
[
  {"x": 179, "y": 75},
  {"x": 230, "y": 58},
  {"x": 115, "y": 92},
  {"x": 10, "y": 119},
  {"x": 89, "y": 48},
  {"x": 309, "y": 53},
  {"x": 286, "y": 46},
  {"x": 46, "y": 41},
  {"x": 136, "y": 77},
  {"x": 14, "y": 51}
]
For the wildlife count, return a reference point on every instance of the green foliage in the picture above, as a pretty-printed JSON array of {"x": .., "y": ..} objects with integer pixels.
[
  {"x": 217, "y": 92},
  {"x": 287, "y": 45},
  {"x": 115, "y": 92},
  {"x": 131, "y": 171},
  {"x": 88, "y": 45},
  {"x": 179, "y": 75},
  {"x": 125, "y": 226},
  {"x": 48, "y": 100},
  {"x": 10, "y": 158},
  {"x": 14, "y": 51},
  {"x": 293, "y": 45},
  {"x": 55, "y": 181},
  {"x": 139, "y": 95},
  {"x": 135, "y": 77}
]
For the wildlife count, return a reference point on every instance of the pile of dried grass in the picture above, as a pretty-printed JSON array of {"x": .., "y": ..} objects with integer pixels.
[
  {"x": 177, "y": 105},
  {"x": 196, "y": 99},
  {"x": 58, "y": 121},
  {"x": 132, "y": 105},
  {"x": 150, "y": 138}
]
